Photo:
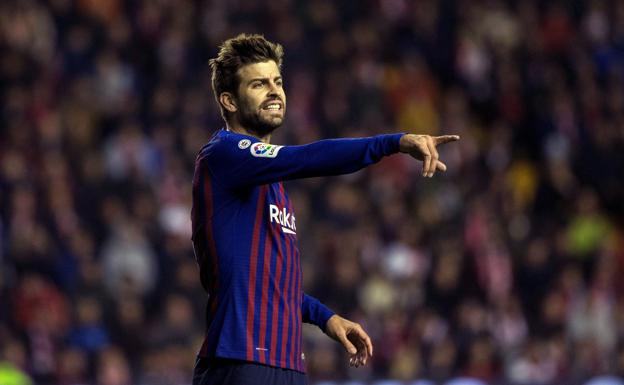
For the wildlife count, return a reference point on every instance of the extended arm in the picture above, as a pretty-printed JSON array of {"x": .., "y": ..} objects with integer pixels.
[{"x": 237, "y": 162}]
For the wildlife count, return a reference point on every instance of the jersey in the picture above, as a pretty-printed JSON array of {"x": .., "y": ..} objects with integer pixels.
[{"x": 245, "y": 240}]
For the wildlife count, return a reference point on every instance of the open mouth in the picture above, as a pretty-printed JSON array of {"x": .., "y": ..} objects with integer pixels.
[{"x": 273, "y": 106}]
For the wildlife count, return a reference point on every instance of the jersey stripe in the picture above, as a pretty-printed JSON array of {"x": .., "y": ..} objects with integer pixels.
[
  {"x": 293, "y": 303},
  {"x": 214, "y": 279},
  {"x": 210, "y": 254},
  {"x": 200, "y": 246},
  {"x": 291, "y": 299},
  {"x": 299, "y": 299},
  {"x": 253, "y": 261},
  {"x": 277, "y": 291},
  {"x": 264, "y": 309},
  {"x": 297, "y": 306},
  {"x": 288, "y": 298},
  {"x": 296, "y": 355},
  {"x": 286, "y": 331},
  {"x": 258, "y": 293},
  {"x": 299, "y": 321},
  {"x": 288, "y": 307}
]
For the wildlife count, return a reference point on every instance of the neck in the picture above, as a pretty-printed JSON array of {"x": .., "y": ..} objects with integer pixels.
[{"x": 235, "y": 127}]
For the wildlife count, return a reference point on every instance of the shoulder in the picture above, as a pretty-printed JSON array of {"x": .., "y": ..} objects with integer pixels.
[{"x": 226, "y": 144}]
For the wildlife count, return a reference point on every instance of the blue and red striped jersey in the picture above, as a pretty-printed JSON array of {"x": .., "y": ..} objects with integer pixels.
[{"x": 245, "y": 240}]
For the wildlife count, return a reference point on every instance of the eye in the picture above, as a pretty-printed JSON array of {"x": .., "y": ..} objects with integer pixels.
[
  {"x": 279, "y": 83},
  {"x": 256, "y": 85}
]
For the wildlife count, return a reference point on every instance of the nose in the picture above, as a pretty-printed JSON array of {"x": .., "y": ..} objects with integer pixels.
[{"x": 273, "y": 89}]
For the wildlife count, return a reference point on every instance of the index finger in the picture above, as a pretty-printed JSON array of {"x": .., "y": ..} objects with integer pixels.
[{"x": 445, "y": 139}]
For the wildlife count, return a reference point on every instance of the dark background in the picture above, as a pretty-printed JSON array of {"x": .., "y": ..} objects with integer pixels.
[{"x": 506, "y": 268}]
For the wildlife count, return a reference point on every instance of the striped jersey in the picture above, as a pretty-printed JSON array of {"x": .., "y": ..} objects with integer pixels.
[{"x": 245, "y": 241}]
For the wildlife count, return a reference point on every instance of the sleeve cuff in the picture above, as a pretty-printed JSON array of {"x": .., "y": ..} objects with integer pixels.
[
  {"x": 325, "y": 315},
  {"x": 314, "y": 312},
  {"x": 392, "y": 143}
]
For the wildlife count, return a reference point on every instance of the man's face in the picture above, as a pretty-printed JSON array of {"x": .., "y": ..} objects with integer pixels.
[{"x": 261, "y": 98}]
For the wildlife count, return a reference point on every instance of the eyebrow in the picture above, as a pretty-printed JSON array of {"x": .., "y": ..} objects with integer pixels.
[{"x": 262, "y": 79}]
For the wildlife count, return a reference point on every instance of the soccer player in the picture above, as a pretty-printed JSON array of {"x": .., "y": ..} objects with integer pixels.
[{"x": 244, "y": 226}]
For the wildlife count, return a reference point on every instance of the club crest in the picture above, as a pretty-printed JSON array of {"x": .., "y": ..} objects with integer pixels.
[{"x": 244, "y": 143}]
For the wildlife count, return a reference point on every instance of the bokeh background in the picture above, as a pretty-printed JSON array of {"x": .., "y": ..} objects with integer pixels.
[{"x": 506, "y": 269}]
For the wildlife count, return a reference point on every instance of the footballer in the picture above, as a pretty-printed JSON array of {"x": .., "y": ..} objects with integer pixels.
[{"x": 245, "y": 229}]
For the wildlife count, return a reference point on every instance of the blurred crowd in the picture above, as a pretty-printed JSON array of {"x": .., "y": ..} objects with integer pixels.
[{"x": 506, "y": 268}]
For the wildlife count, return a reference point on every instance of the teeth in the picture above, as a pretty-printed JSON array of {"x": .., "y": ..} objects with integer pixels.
[{"x": 273, "y": 107}]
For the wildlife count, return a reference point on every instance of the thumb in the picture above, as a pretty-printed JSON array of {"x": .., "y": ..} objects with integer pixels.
[{"x": 349, "y": 347}]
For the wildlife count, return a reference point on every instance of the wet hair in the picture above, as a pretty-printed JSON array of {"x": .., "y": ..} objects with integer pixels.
[{"x": 236, "y": 53}]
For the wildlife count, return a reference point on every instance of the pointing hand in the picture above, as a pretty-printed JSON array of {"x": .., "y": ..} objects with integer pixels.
[{"x": 423, "y": 147}]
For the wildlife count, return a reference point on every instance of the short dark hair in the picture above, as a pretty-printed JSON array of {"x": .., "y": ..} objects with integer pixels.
[{"x": 235, "y": 53}]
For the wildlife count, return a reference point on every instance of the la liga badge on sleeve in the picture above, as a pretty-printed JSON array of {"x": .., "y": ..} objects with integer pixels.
[{"x": 264, "y": 150}]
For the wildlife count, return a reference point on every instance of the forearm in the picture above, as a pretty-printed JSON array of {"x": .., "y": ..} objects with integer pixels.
[{"x": 340, "y": 156}]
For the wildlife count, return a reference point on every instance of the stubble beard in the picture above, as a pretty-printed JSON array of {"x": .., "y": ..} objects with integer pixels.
[{"x": 255, "y": 121}]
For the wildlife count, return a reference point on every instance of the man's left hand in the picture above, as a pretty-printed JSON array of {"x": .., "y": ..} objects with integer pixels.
[{"x": 352, "y": 337}]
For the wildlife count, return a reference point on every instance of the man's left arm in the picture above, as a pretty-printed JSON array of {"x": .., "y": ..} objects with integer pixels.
[{"x": 350, "y": 334}]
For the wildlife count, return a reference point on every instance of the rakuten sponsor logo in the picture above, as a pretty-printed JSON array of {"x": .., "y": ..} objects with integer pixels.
[{"x": 284, "y": 218}]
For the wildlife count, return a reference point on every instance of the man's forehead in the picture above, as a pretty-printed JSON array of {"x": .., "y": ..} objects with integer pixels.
[{"x": 267, "y": 69}]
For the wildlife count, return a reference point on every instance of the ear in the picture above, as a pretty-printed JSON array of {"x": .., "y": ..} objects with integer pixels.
[{"x": 227, "y": 101}]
